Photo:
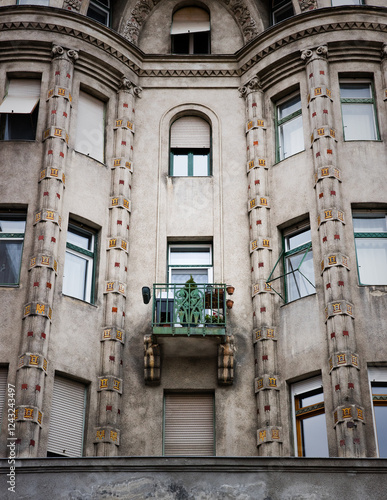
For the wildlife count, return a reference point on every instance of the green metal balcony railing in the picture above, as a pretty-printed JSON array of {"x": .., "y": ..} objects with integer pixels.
[{"x": 189, "y": 309}]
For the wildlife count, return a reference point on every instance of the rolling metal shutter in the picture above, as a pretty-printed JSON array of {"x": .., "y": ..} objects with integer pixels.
[
  {"x": 190, "y": 132},
  {"x": 190, "y": 20},
  {"x": 3, "y": 389},
  {"x": 189, "y": 424},
  {"x": 90, "y": 135},
  {"x": 65, "y": 436}
]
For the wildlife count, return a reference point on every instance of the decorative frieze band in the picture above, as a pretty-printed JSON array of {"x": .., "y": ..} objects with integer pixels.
[
  {"x": 123, "y": 123},
  {"x": 107, "y": 435},
  {"x": 118, "y": 243},
  {"x": 269, "y": 434},
  {"x": 260, "y": 287},
  {"x": 29, "y": 413},
  {"x": 110, "y": 383},
  {"x": 37, "y": 309},
  {"x": 59, "y": 92},
  {"x": 259, "y": 243},
  {"x": 325, "y": 172},
  {"x": 32, "y": 360},
  {"x": 48, "y": 215},
  {"x": 338, "y": 307},
  {"x": 122, "y": 163},
  {"x": 256, "y": 163},
  {"x": 334, "y": 260},
  {"x": 41, "y": 260},
  {"x": 264, "y": 333},
  {"x": 115, "y": 287},
  {"x": 113, "y": 333},
  {"x": 266, "y": 382},
  {"x": 324, "y": 131},
  {"x": 330, "y": 214},
  {"x": 259, "y": 202},
  {"x": 52, "y": 173},
  {"x": 348, "y": 413},
  {"x": 343, "y": 359},
  {"x": 122, "y": 202},
  {"x": 55, "y": 132}
]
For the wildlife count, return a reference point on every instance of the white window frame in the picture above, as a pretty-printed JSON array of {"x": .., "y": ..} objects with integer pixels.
[
  {"x": 12, "y": 237},
  {"x": 87, "y": 255},
  {"x": 376, "y": 374},
  {"x": 101, "y": 8},
  {"x": 44, "y": 3},
  {"x": 281, "y": 7},
  {"x": 188, "y": 267},
  {"x": 339, "y": 3},
  {"x": 297, "y": 389}
]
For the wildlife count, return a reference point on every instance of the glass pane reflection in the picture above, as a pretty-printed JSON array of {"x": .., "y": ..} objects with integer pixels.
[{"x": 314, "y": 436}]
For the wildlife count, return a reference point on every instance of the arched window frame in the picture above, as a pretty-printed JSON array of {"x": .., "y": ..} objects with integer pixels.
[
  {"x": 191, "y": 42},
  {"x": 190, "y": 153}
]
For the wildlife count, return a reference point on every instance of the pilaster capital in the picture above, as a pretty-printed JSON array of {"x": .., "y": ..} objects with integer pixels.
[
  {"x": 309, "y": 55},
  {"x": 128, "y": 86},
  {"x": 253, "y": 85},
  {"x": 307, "y": 5},
  {"x": 59, "y": 52}
]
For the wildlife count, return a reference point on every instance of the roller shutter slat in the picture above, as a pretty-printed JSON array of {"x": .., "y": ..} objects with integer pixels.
[{"x": 3, "y": 390}]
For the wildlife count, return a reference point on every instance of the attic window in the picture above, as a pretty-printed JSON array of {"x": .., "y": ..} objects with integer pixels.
[{"x": 190, "y": 31}]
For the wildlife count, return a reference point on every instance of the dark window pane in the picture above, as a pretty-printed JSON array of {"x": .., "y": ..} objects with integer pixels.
[
  {"x": 14, "y": 126},
  {"x": 180, "y": 43},
  {"x": 311, "y": 398},
  {"x": 10, "y": 259},
  {"x": 201, "y": 42}
]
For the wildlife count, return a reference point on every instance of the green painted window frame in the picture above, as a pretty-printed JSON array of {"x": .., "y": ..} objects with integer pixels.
[
  {"x": 279, "y": 122},
  {"x": 363, "y": 234},
  {"x": 76, "y": 250},
  {"x": 191, "y": 153},
  {"x": 19, "y": 216},
  {"x": 360, "y": 101}
]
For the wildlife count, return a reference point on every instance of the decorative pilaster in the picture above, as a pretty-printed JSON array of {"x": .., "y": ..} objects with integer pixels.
[
  {"x": 339, "y": 313},
  {"x": 110, "y": 383},
  {"x": 269, "y": 434},
  {"x": 37, "y": 313}
]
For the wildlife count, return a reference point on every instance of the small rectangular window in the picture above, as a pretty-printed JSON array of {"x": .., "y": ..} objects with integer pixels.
[
  {"x": 281, "y": 10},
  {"x": 371, "y": 246},
  {"x": 193, "y": 260},
  {"x": 309, "y": 418},
  {"x": 79, "y": 268},
  {"x": 34, "y": 2},
  {"x": 189, "y": 424},
  {"x": 289, "y": 128},
  {"x": 90, "y": 134},
  {"x": 298, "y": 263},
  {"x": 336, "y": 3},
  {"x": 12, "y": 228},
  {"x": 378, "y": 384},
  {"x": 358, "y": 110},
  {"x": 67, "y": 419},
  {"x": 99, "y": 10},
  {"x": 19, "y": 110}
]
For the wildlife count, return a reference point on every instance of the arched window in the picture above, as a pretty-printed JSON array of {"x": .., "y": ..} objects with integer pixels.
[
  {"x": 190, "y": 31},
  {"x": 190, "y": 147}
]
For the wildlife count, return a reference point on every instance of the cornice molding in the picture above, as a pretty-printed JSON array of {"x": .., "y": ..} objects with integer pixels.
[{"x": 234, "y": 60}]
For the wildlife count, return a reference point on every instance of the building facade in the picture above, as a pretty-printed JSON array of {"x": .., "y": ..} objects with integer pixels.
[{"x": 193, "y": 245}]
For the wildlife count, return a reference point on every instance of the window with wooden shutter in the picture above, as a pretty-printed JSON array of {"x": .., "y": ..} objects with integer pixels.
[
  {"x": 65, "y": 437},
  {"x": 189, "y": 424}
]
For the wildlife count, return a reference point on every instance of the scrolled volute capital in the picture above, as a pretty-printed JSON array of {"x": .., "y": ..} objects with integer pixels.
[
  {"x": 59, "y": 52},
  {"x": 128, "y": 86},
  {"x": 309, "y": 55},
  {"x": 253, "y": 85}
]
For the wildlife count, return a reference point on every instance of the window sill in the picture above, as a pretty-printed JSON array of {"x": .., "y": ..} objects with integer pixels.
[
  {"x": 9, "y": 285},
  {"x": 362, "y": 140},
  {"x": 79, "y": 300},
  {"x": 291, "y": 156}
]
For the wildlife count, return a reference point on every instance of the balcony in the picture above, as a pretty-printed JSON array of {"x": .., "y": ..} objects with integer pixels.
[{"x": 189, "y": 309}]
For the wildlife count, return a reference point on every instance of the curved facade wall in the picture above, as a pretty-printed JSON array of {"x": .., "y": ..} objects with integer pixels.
[{"x": 135, "y": 210}]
